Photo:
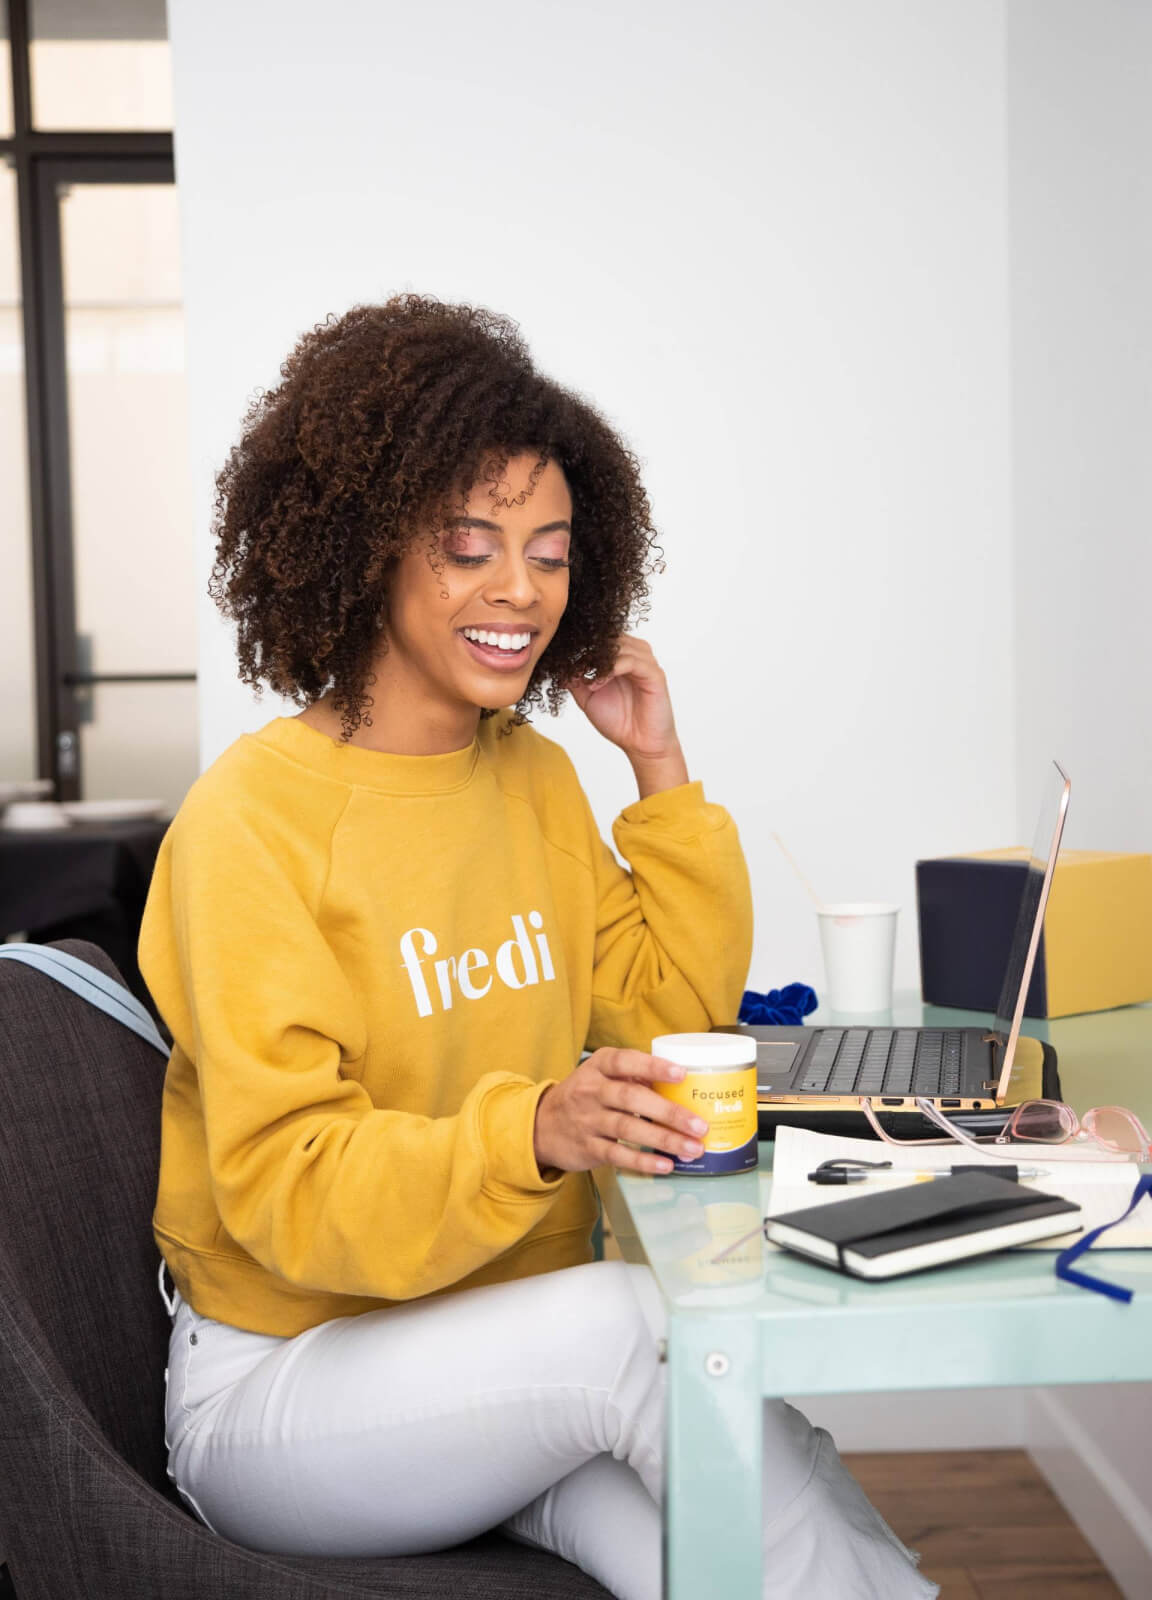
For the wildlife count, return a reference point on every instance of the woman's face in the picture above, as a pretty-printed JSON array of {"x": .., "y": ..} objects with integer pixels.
[{"x": 466, "y": 632}]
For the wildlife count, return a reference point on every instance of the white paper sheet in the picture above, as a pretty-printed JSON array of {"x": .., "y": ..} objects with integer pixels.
[{"x": 1102, "y": 1189}]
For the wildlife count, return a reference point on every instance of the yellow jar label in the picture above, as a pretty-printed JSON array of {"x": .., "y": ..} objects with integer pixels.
[{"x": 727, "y": 1102}]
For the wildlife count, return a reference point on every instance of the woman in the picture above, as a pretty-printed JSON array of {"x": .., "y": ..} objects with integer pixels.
[{"x": 382, "y": 932}]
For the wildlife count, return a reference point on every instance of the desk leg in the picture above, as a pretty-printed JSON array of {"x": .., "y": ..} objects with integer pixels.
[{"x": 712, "y": 1543}]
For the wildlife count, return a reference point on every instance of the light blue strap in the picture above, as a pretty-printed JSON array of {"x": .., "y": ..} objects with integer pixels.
[{"x": 91, "y": 985}]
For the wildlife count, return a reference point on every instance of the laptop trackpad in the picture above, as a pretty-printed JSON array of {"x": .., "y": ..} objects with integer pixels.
[{"x": 774, "y": 1063}]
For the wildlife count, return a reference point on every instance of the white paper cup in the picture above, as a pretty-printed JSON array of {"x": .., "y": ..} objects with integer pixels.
[{"x": 859, "y": 942}]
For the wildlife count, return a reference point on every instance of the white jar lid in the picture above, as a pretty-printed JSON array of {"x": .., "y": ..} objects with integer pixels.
[{"x": 706, "y": 1052}]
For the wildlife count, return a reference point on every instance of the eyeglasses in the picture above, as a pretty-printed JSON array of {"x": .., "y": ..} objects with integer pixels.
[
  {"x": 1107, "y": 1128},
  {"x": 1114, "y": 1129}
]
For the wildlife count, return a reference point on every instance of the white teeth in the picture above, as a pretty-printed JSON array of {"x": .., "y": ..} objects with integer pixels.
[{"x": 502, "y": 641}]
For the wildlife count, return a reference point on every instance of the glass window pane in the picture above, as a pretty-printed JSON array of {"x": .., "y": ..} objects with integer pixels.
[
  {"x": 17, "y": 643},
  {"x": 100, "y": 64},
  {"x": 5, "y": 75},
  {"x": 143, "y": 744},
  {"x": 132, "y": 521}
]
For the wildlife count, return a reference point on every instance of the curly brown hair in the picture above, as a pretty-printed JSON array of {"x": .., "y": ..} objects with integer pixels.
[{"x": 384, "y": 419}]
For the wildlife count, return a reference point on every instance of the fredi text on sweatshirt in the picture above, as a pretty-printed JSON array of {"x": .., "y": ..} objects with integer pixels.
[{"x": 516, "y": 964}]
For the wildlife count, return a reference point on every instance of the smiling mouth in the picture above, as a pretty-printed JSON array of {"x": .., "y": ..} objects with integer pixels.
[{"x": 503, "y": 650}]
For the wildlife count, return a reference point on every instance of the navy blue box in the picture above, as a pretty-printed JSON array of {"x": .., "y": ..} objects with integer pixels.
[{"x": 967, "y": 911}]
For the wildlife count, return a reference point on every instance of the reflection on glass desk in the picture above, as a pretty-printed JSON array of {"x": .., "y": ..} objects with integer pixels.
[{"x": 763, "y": 1322}]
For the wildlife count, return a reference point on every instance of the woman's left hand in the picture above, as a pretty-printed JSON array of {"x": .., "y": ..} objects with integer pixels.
[{"x": 631, "y": 707}]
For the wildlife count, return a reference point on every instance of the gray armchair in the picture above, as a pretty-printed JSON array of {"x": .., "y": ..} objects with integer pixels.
[{"x": 86, "y": 1508}]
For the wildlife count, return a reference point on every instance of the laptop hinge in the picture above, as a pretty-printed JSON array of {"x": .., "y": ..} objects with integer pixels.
[{"x": 991, "y": 1085}]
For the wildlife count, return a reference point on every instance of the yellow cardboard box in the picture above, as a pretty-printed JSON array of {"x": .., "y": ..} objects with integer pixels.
[{"x": 1096, "y": 951}]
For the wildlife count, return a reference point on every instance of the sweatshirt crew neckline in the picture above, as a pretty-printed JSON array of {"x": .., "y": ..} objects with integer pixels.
[{"x": 369, "y": 769}]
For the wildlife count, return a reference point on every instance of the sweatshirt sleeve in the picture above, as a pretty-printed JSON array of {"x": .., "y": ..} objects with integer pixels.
[
  {"x": 673, "y": 935},
  {"x": 311, "y": 1178}
]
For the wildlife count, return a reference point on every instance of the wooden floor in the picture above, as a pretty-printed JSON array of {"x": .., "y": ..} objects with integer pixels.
[{"x": 986, "y": 1524}]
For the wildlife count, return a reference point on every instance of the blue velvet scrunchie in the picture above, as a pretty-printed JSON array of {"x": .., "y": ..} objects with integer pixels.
[{"x": 789, "y": 1005}]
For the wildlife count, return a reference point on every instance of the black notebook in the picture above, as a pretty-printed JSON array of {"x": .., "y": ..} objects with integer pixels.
[{"x": 888, "y": 1233}]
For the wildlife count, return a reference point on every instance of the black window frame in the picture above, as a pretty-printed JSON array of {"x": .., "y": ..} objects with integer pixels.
[{"x": 43, "y": 160}]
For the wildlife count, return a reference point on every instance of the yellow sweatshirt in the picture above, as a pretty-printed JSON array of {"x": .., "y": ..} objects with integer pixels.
[{"x": 372, "y": 965}]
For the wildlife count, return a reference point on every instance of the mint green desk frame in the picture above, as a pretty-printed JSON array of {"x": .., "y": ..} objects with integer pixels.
[{"x": 770, "y": 1324}]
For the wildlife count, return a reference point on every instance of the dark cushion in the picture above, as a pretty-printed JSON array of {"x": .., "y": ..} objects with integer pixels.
[
  {"x": 79, "y": 1153},
  {"x": 86, "y": 1508}
]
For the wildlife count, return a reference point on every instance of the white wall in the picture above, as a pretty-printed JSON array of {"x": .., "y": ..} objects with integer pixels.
[
  {"x": 1080, "y": 192},
  {"x": 17, "y": 644},
  {"x": 769, "y": 241}
]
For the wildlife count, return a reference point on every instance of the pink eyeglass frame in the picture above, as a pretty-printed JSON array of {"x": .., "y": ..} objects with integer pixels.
[{"x": 1077, "y": 1129}]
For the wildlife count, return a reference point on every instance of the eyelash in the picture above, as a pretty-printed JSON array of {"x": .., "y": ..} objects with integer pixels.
[{"x": 553, "y": 563}]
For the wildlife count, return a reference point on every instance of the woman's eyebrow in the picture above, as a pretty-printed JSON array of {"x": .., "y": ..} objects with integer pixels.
[{"x": 494, "y": 527}]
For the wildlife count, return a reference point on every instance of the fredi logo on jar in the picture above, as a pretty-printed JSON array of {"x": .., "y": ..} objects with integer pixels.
[{"x": 719, "y": 1084}]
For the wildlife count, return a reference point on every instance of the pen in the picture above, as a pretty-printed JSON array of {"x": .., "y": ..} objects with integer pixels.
[{"x": 1008, "y": 1170}]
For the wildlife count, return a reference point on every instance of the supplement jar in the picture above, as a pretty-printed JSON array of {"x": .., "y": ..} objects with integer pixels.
[{"x": 719, "y": 1084}]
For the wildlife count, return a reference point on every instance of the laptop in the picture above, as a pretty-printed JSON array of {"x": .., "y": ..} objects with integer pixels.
[{"x": 815, "y": 1077}]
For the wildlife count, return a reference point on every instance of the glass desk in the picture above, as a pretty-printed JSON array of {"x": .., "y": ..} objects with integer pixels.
[{"x": 764, "y": 1322}]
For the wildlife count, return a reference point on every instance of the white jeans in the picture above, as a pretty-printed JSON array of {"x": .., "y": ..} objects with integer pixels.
[{"x": 535, "y": 1406}]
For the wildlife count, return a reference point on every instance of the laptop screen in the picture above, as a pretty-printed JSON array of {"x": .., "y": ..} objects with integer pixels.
[{"x": 1030, "y": 920}]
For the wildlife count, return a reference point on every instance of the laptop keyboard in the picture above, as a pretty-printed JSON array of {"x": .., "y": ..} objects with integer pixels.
[{"x": 884, "y": 1061}]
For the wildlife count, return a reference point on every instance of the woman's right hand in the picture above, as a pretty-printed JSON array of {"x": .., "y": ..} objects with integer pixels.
[{"x": 580, "y": 1121}]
